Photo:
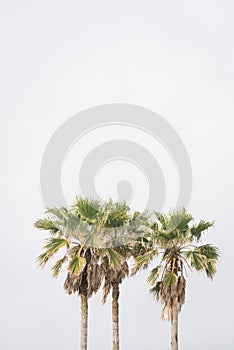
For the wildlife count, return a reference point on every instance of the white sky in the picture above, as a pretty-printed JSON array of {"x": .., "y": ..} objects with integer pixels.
[{"x": 60, "y": 57}]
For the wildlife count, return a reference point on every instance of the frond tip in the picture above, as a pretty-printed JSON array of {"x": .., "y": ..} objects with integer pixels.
[
  {"x": 43, "y": 259},
  {"x": 58, "y": 265}
]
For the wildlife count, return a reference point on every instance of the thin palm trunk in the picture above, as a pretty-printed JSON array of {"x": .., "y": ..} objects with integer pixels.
[
  {"x": 174, "y": 324},
  {"x": 84, "y": 322},
  {"x": 115, "y": 316}
]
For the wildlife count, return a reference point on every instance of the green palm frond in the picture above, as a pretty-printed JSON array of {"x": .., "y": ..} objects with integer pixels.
[
  {"x": 211, "y": 253},
  {"x": 197, "y": 230},
  {"x": 166, "y": 253},
  {"x": 58, "y": 265},
  {"x": 209, "y": 250},
  {"x": 86, "y": 209},
  {"x": 196, "y": 259},
  {"x": 141, "y": 221},
  {"x": 115, "y": 214},
  {"x": 54, "y": 244},
  {"x": 43, "y": 259},
  {"x": 162, "y": 219},
  {"x": 93, "y": 238},
  {"x": 178, "y": 219},
  {"x": 59, "y": 213},
  {"x": 211, "y": 268},
  {"x": 117, "y": 218},
  {"x": 169, "y": 279},
  {"x": 163, "y": 238},
  {"x": 52, "y": 247},
  {"x": 114, "y": 258},
  {"x": 76, "y": 265},
  {"x": 142, "y": 261},
  {"x": 46, "y": 224},
  {"x": 154, "y": 275}
]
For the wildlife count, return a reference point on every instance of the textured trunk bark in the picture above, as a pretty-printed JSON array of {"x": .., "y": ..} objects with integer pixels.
[
  {"x": 115, "y": 316},
  {"x": 84, "y": 322},
  {"x": 174, "y": 325}
]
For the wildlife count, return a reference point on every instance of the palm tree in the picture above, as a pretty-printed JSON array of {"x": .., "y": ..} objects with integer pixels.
[
  {"x": 77, "y": 230},
  {"x": 126, "y": 228},
  {"x": 113, "y": 278},
  {"x": 175, "y": 240},
  {"x": 117, "y": 223}
]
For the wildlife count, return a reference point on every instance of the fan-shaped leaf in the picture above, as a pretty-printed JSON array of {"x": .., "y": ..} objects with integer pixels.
[
  {"x": 197, "y": 230},
  {"x": 170, "y": 279},
  {"x": 196, "y": 259},
  {"x": 154, "y": 274},
  {"x": 54, "y": 244},
  {"x": 114, "y": 258},
  {"x": 76, "y": 265}
]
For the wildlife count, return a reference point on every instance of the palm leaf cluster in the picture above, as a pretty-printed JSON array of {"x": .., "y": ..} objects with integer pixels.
[{"x": 79, "y": 233}]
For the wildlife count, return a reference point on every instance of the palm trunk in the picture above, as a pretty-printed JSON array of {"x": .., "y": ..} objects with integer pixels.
[
  {"x": 84, "y": 322},
  {"x": 174, "y": 324},
  {"x": 115, "y": 316}
]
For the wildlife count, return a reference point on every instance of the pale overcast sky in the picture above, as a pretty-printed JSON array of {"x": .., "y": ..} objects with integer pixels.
[{"x": 61, "y": 57}]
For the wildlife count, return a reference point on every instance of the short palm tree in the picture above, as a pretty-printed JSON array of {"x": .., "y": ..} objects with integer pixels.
[
  {"x": 174, "y": 240},
  {"x": 78, "y": 231}
]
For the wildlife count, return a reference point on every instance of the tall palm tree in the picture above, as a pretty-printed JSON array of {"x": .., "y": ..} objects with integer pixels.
[
  {"x": 175, "y": 240},
  {"x": 117, "y": 223},
  {"x": 113, "y": 278},
  {"x": 77, "y": 230},
  {"x": 127, "y": 228}
]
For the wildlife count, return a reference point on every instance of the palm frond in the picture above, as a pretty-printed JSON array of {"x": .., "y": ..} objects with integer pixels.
[
  {"x": 76, "y": 265},
  {"x": 87, "y": 209},
  {"x": 54, "y": 244},
  {"x": 211, "y": 254},
  {"x": 170, "y": 279},
  {"x": 114, "y": 258},
  {"x": 93, "y": 238},
  {"x": 56, "y": 268},
  {"x": 43, "y": 259},
  {"x": 210, "y": 251},
  {"x": 178, "y": 219},
  {"x": 196, "y": 259},
  {"x": 211, "y": 268},
  {"x": 59, "y": 213},
  {"x": 162, "y": 219},
  {"x": 154, "y": 275},
  {"x": 197, "y": 230},
  {"x": 117, "y": 216},
  {"x": 46, "y": 224},
  {"x": 142, "y": 261}
]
